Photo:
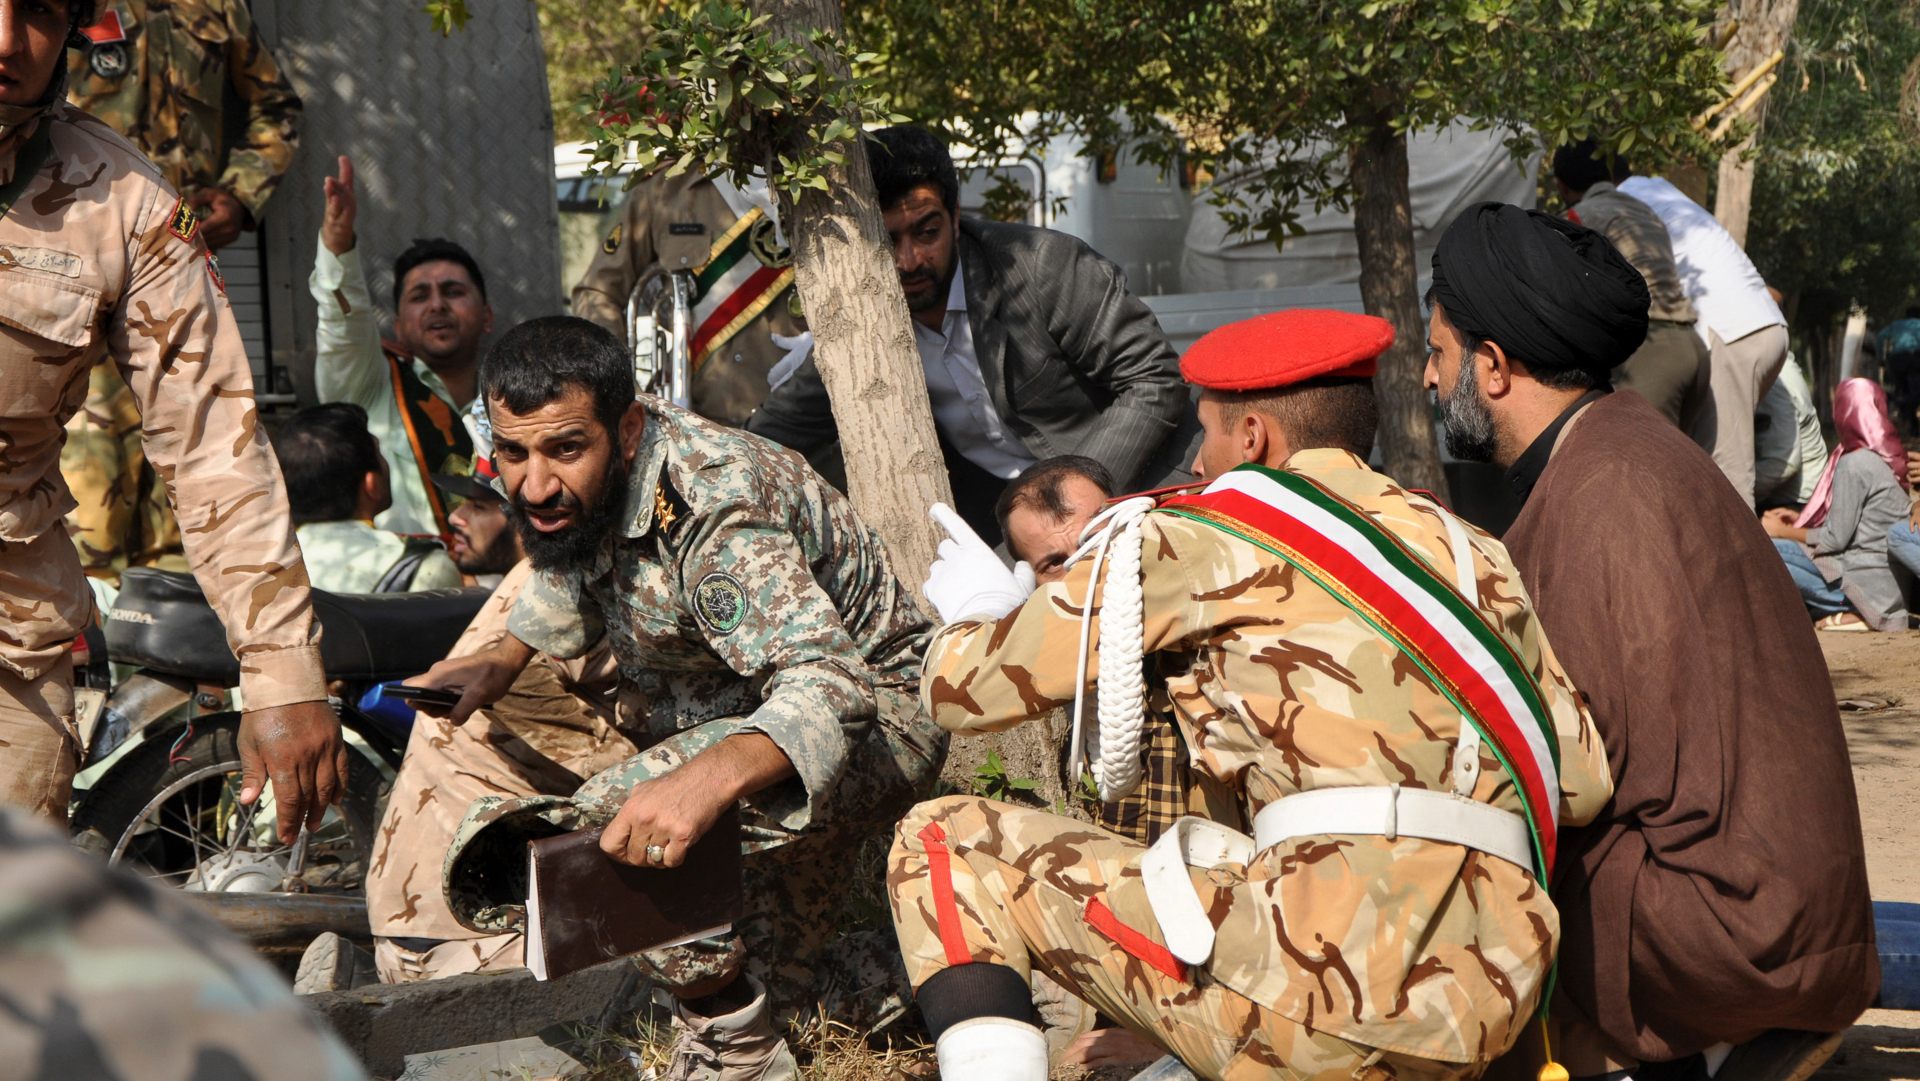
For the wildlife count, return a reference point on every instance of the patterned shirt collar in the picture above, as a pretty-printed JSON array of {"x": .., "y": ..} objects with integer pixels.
[{"x": 646, "y": 476}]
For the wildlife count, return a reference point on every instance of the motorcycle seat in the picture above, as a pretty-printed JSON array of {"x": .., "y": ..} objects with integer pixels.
[{"x": 162, "y": 622}]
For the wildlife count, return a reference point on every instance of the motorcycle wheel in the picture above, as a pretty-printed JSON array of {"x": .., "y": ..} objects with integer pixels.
[{"x": 169, "y": 809}]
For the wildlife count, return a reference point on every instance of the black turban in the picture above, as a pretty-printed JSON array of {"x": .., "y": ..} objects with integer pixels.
[{"x": 1553, "y": 294}]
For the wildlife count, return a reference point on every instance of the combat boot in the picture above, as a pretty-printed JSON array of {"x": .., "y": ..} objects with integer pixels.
[
  {"x": 738, "y": 1046},
  {"x": 332, "y": 963}
]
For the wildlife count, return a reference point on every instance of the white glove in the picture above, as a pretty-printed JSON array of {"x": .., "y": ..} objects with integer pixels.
[
  {"x": 797, "y": 347},
  {"x": 968, "y": 580}
]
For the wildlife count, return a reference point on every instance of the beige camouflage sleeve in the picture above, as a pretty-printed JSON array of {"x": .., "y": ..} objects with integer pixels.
[
  {"x": 174, "y": 338},
  {"x": 988, "y": 677},
  {"x": 255, "y": 166},
  {"x": 627, "y": 250}
]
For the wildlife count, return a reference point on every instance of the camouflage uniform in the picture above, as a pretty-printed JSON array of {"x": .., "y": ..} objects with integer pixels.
[
  {"x": 1352, "y": 955},
  {"x": 164, "y": 91},
  {"x": 353, "y": 557},
  {"x": 740, "y": 594},
  {"x": 104, "y": 977},
  {"x": 100, "y": 261},
  {"x": 733, "y": 382}
]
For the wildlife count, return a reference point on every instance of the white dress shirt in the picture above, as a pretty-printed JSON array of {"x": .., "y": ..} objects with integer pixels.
[
  {"x": 961, "y": 408},
  {"x": 1727, "y": 292}
]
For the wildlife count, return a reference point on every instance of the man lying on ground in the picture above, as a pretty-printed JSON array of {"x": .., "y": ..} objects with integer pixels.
[
  {"x": 1721, "y": 898},
  {"x": 337, "y": 483},
  {"x": 1343, "y": 937},
  {"x": 767, "y": 656}
]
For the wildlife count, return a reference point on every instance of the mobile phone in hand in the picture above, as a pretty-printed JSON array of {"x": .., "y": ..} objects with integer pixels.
[{"x": 420, "y": 696}]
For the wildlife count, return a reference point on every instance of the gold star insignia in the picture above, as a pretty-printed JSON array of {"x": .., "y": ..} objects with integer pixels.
[{"x": 662, "y": 510}]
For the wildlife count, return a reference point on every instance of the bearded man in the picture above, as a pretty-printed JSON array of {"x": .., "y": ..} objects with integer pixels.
[
  {"x": 767, "y": 655},
  {"x": 1715, "y": 917}
]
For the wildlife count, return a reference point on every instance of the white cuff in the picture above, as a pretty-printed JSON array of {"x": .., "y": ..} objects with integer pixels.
[{"x": 992, "y": 1049}]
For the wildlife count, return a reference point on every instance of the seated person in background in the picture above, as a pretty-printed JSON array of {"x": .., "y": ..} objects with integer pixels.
[
  {"x": 1900, "y": 357},
  {"x": 1031, "y": 343},
  {"x": 417, "y": 388},
  {"x": 484, "y": 544},
  {"x": 337, "y": 482},
  {"x": 1789, "y": 450},
  {"x": 1673, "y": 368},
  {"x": 1836, "y": 547}
]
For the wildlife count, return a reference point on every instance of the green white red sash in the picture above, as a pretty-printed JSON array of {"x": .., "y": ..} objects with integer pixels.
[
  {"x": 734, "y": 287},
  {"x": 1376, "y": 575}
]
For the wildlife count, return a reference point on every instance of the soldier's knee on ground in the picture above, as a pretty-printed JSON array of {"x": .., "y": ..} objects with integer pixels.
[{"x": 698, "y": 968}]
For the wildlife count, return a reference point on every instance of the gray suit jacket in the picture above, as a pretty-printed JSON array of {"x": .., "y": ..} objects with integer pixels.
[{"x": 1074, "y": 363}]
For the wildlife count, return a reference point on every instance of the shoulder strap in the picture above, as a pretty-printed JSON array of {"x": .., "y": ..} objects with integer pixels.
[
  {"x": 1395, "y": 591},
  {"x": 27, "y": 163}
]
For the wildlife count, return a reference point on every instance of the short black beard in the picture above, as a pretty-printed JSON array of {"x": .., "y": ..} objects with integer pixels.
[
  {"x": 1467, "y": 419},
  {"x": 937, "y": 297},
  {"x": 498, "y": 557},
  {"x": 573, "y": 549}
]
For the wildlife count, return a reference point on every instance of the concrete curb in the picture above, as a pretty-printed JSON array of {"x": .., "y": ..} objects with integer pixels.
[{"x": 384, "y": 1023}]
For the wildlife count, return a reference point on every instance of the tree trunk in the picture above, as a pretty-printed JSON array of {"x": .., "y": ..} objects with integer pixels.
[
  {"x": 1390, "y": 289},
  {"x": 863, "y": 341},
  {"x": 1765, "y": 25},
  {"x": 863, "y": 346}
]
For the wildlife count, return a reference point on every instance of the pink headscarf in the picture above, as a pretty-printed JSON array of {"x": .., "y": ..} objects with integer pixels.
[{"x": 1860, "y": 418}]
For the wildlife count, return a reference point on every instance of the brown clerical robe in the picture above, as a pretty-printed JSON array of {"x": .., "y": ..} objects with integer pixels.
[{"x": 1724, "y": 890}]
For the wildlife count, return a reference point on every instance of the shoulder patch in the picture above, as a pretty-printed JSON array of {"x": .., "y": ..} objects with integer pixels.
[
  {"x": 183, "y": 222},
  {"x": 720, "y": 602},
  {"x": 612, "y": 243}
]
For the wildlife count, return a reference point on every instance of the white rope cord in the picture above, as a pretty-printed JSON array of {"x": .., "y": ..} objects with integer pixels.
[{"x": 1120, "y": 693}]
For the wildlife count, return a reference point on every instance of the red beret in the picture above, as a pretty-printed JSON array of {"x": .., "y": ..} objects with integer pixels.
[{"x": 1280, "y": 349}]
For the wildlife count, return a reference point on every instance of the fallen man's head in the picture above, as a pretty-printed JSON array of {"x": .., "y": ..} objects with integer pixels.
[
  {"x": 1043, "y": 510},
  {"x": 559, "y": 391}
]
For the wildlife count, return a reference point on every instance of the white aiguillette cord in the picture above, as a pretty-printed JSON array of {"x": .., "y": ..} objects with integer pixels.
[{"x": 1120, "y": 691}]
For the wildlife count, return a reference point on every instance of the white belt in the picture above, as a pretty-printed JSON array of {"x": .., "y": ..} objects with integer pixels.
[{"x": 1387, "y": 812}]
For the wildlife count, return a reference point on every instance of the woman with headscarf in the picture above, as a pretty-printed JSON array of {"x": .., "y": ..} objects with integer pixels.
[
  {"x": 1836, "y": 547},
  {"x": 1714, "y": 920}
]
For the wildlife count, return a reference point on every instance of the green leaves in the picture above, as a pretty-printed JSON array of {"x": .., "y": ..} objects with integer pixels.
[
  {"x": 991, "y": 779},
  {"x": 717, "y": 93},
  {"x": 448, "y": 15}
]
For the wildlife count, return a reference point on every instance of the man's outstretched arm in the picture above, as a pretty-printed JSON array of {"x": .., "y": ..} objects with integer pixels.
[{"x": 174, "y": 338}]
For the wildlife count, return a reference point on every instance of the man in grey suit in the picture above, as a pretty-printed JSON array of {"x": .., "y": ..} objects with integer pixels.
[{"x": 1031, "y": 343}]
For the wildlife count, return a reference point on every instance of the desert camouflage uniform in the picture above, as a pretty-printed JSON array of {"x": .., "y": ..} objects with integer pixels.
[
  {"x": 100, "y": 262},
  {"x": 1330, "y": 948},
  {"x": 106, "y": 978},
  {"x": 181, "y": 55},
  {"x": 741, "y": 594},
  {"x": 557, "y": 726},
  {"x": 733, "y": 382}
]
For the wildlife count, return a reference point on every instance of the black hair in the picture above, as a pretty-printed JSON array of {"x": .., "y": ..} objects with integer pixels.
[
  {"x": 905, "y": 157},
  {"x": 325, "y": 453},
  {"x": 435, "y": 250},
  {"x": 536, "y": 362},
  {"x": 1331, "y": 411},
  {"x": 1580, "y": 166},
  {"x": 1557, "y": 378},
  {"x": 1038, "y": 486}
]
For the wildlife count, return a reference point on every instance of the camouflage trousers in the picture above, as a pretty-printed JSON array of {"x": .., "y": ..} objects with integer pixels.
[
  {"x": 39, "y": 745},
  {"x": 975, "y": 880},
  {"x": 541, "y": 739},
  {"x": 796, "y": 882}
]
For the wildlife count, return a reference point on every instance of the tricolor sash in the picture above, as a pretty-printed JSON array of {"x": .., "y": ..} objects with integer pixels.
[
  {"x": 1386, "y": 583},
  {"x": 744, "y": 273}
]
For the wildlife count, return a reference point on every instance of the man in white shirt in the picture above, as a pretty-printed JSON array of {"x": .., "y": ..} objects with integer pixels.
[
  {"x": 1739, "y": 321},
  {"x": 418, "y": 388},
  {"x": 336, "y": 485},
  {"x": 1032, "y": 345}
]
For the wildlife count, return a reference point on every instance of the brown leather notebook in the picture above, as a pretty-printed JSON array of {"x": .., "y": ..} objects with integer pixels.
[{"x": 584, "y": 908}]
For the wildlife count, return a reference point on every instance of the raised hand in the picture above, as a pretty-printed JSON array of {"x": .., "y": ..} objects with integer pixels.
[{"x": 336, "y": 229}]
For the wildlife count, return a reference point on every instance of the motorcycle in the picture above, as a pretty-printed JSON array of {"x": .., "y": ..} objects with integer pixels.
[{"x": 162, "y": 746}]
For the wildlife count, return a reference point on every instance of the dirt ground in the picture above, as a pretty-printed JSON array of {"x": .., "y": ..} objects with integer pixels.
[{"x": 1877, "y": 679}]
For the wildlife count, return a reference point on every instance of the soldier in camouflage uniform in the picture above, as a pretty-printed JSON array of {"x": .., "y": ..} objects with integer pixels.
[
  {"x": 106, "y": 978},
  {"x": 158, "y": 71},
  {"x": 688, "y": 222},
  {"x": 759, "y": 624},
  {"x": 1366, "y": 952},
  {"x": 102, "y": 264}
]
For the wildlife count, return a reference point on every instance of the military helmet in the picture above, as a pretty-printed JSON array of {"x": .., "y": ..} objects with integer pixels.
[{"x": 79, "y": 14}]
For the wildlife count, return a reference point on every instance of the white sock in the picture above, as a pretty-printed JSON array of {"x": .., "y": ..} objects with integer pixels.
[{"x": 992, "y": 1049}]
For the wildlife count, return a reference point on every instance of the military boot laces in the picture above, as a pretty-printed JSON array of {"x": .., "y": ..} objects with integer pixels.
[{"x": 739, "y": 1046}]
